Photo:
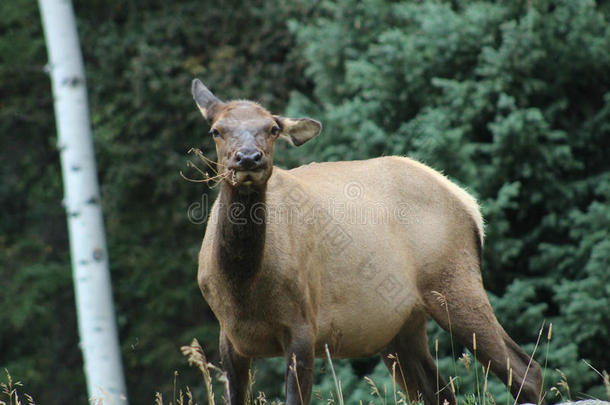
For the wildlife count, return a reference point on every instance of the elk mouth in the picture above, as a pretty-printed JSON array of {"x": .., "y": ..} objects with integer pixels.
[{"x": 247, "y": 177}]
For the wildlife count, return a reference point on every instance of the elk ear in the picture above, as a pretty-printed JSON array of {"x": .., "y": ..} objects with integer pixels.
[
  {"x": 298, "y": 131},
  {"x": 207, "y": 102}
]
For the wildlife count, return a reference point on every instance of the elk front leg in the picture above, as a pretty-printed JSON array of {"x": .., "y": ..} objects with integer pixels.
[
  {"x": 236, "y": 367},
  {"x": 299, "y": 369}
]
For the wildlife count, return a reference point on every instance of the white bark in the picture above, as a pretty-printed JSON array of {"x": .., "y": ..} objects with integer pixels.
[{"x": 96, "y": 319}]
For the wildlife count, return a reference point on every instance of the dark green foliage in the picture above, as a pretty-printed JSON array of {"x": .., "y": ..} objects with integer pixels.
[
  {"x": 38, "y": 332},
  {"x": 510, "y": 99}
]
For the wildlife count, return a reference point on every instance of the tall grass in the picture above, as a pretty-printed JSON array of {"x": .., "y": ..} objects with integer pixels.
[
  {"x": 379, "y": 393},
  {"x": 10, "y": 390},
  {"x": 336, "y": 381}
]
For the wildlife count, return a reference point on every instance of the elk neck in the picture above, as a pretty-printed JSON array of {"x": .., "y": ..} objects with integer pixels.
[{"x": 241, "y": 236}]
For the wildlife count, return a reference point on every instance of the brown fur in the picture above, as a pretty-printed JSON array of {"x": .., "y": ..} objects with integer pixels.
[{"x": 353, "y": 255}]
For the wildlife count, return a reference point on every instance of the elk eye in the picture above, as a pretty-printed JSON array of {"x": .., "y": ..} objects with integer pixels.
[
  {"x": 215, "y": 133},
  {"x": 275, "y": 130}
]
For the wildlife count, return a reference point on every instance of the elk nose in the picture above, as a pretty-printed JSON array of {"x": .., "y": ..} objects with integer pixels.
[{"x": 248, "y": 159}]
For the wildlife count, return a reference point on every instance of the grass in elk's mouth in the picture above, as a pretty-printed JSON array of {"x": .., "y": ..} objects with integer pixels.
[{"x": 212, "y": 165}]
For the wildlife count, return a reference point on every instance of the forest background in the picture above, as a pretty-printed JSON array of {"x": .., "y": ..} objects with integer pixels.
[{"x": 509, "y": 99}]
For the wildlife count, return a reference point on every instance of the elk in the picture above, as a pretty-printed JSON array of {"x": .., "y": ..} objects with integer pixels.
[{"x": 287, "y": 273}]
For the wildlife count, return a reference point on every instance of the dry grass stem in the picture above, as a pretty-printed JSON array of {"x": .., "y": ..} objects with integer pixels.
[
  {"x": 394, "y": 381},
  {"x": 546, "y": 358},
  {"x": 10, "y": 390},
  {"x": 293, "y": 368},
  {"x": 216, "y": 178},
  {"x": 402, "y": 374},
  {"x": 593, "y": 368},
  {"x": 563, "y": 383},
  {"x": 485, "y": 381},
  {"x": 529, "y": 363},
  {"x": 105, "y": 398},
  {"x": 373, "y": 386},
  {"x": 449, "y": 384},
  {"x": 442, "y": 300},
  {"x": 476, "y": 369},
  {"x": 260, "y": 399},
  {"x": 465, "y": 360},
  {"x": 491, "y": 399},
  {"x": 29, "y": 399},
  {"x": 189, "y": 396},
  {"x": 335, "y": 380},
  {"x": 196, "y": 357},
  {"x": 250, "y": 391},
  {"x": 438, "y": 397},
  {"x": 556, "y": 391}
]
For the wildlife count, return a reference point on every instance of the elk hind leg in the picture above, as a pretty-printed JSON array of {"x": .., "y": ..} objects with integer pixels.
[
  {"x": 408, "y": 358},
  {"x": 463, "y": 309}
]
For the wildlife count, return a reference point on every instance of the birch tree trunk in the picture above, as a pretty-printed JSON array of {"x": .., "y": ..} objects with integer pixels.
[{"x": 96, "y": 319}]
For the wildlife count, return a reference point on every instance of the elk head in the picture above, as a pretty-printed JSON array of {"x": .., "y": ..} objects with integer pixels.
[{"x": 245, "y": 135}]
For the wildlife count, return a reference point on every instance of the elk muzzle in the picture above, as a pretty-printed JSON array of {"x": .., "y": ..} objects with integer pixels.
[
  {"x": 248, "y": 159},
  {"x": 249, "y": 167}
]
